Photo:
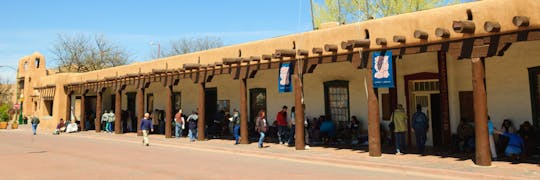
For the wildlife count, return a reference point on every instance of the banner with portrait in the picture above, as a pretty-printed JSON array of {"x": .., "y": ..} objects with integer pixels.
[
  {"x": 284, "y": 77},
  {"x": 382, "y": 70}
]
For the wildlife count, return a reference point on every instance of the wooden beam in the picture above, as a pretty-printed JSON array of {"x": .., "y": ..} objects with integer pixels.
[
  {"x": 418, "y": 34},
  {"x": 399, "y": 39},
  {"x": 521, "y": 21},
  {"x": 464, "y": 26},
  {"x": 492, "y": 26}
]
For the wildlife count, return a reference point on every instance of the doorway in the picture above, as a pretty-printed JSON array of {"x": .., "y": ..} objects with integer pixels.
[
  {"x": 534, "y": 84},
  {"x": 257, "y": 102},
  {"x": 426, "y": 94},
  {"x": 210, "y": 104},
  {"x": 131, "y": 119}
]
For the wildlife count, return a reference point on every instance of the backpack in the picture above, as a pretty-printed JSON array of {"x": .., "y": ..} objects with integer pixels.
[{"x": 419, "y": 120}]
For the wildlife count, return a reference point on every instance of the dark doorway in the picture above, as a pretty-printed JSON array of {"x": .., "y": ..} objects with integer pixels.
[
  {"x": 90, "y": 108},
  {"x": 131, "y": 119},
  {"x": 257, "y": 102},
  {"x": 210, "y": 104},
  {"x": 436, "y": 124},
  {"x": 534, "y": 83}
]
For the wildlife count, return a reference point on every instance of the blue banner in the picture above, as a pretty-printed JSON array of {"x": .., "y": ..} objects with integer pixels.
[
  {"x": 382, "y": 70},
  {"x": 284, "y": 77}
]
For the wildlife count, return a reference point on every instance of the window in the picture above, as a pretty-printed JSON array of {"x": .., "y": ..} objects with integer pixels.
[
  {"x": 336, "y": 95},
  {"x": 177, "y": 101},
  {"x": 25, "y": 66},
  {"x": 49, "y": 107},
  {"x": 149, "y": 102},
  {"x": 37, "y": 62}
]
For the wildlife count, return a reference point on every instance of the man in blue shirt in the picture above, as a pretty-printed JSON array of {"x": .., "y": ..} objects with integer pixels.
[
  {"x": 146, "y": 125},
  {"x": 515, "y": 144}
]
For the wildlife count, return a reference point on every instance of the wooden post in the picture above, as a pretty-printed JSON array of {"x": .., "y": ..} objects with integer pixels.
[
  {"x": 374, "y": 132},
  {"x": 82, "y": 123},
  {"x": 168, "y": 112},
  {"x": 97, "y": 121},
  {"x": 443, "y": 89},
  {"x": 483, "y": 154},
  {"x": 140, "y": 109},
  {"x": 202, "y": 101},
  {"x": 68, "y": 107},
  {"x": 299, "y": 141},
  {"x": 244, "y": 139},
  {"x": 118, "y": 112}
]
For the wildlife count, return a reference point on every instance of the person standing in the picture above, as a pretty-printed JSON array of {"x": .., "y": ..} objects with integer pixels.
[
  {"x": 111, "y": 120},
  {"x": 35, "y": 122},
  {"x": 192, "y": 122},
  {"x": 492, "y": 146},
  {"x": 236, "y": 128},
  {"x": 292, "y": 126},
  {"x": 261, "y": 127},
  {"x": 420, "y": 125},
  {"x": 105, "y": 121},
  {"x": 179, "y": 124},
  {"x": 399, "y": 118},
  {"x": 281, "y": 119},
  {"x": 146, "y": 126}
]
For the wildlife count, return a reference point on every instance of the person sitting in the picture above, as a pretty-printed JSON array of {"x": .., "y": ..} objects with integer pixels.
[
  {"x": 61, "y": 127},
  {"x": 328, "y": 131},
  {"x": 71, "y": 127},
  {"x": 526, "y": 131},
  {"x": 465, "y": 132},
  {"x": 515, "y": 145}
]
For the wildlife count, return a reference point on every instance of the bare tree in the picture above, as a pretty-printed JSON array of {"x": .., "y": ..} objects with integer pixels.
[
  {"x": 6, "y": 91},
  {"x": 188, "y": 45},
  {"x": 80, "y": 53}
]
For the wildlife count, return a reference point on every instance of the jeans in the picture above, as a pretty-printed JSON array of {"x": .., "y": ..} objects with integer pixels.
[
  {"x": 34, "y": 128},
  {"x": 492, "y": 147},
  {"x": 292, "y": 134},
  {"x": 282, "y": 134},
  {"x": 420, "y": 139},
  {"x": 400, "y": 142},
  {"x": 236, "y": 133},
  {"x": 178, "y": 130},
  {"x": 107, "y": 126},
  {"x": 261, "y": 139},
  {"x": 145, "y": 137},
  {"x": 192, "y": 134}
]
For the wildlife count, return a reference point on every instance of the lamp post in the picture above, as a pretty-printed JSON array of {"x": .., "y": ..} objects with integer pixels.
[{"x": 158, "y": 48}]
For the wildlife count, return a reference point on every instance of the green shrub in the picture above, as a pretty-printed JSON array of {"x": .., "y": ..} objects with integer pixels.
[{"x": 4, "y": 112}]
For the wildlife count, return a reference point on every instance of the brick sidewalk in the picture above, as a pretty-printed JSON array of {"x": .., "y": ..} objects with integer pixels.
[{"x": 436, "y": 166}]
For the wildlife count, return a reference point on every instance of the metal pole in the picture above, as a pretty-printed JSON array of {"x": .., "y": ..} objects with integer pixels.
[{"x": 483, "y": 153}]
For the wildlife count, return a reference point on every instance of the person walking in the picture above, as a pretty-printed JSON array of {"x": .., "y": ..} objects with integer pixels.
[
  {"x": 292, "y": 126},
  {"x": 111, "y": 120},
  {"x": 281, "y": 119},
  {"x": 235, "y": 119},
  {"x": 179, "y": 124},
  {"x": 399, "y": 118},
  {"x": 35, "y": 122},
  {"x": 261, "y": 127},
  {"x": 146, "y": 126},
  {"x": 420, "y": 125},
  {"x": 192, "y": 123}
]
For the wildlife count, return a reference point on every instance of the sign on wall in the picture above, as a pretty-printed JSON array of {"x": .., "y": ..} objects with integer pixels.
[
  {"x": 382, "y": 70},
  {"x": 284, "y": 77}
]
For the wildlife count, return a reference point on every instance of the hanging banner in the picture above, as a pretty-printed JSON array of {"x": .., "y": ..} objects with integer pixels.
[
  {"x": 382, "y": 70},
  {"x": 284, "y": 77}
]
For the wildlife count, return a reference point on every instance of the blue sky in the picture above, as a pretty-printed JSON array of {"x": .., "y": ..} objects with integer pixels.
[{"x": 27, "y": 26}]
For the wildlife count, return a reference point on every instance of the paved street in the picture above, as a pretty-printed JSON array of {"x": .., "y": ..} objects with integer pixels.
[{"x": 90, "y": 155}]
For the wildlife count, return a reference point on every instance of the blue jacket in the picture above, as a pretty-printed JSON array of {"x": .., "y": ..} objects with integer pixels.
[{"x": 146, "y": 124}]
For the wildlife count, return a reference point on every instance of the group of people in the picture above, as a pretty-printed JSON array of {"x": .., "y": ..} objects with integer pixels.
[
  {"x": 419, "y": 125},
  {"x": 107, "y": 121},
  {"x": 67, "y": 127}
]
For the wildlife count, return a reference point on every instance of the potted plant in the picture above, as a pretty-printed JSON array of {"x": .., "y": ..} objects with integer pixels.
[{"x": 4, "y": 116}]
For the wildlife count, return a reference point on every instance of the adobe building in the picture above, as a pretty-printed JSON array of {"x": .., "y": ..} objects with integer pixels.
[{"x": 458, "y": 62}]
